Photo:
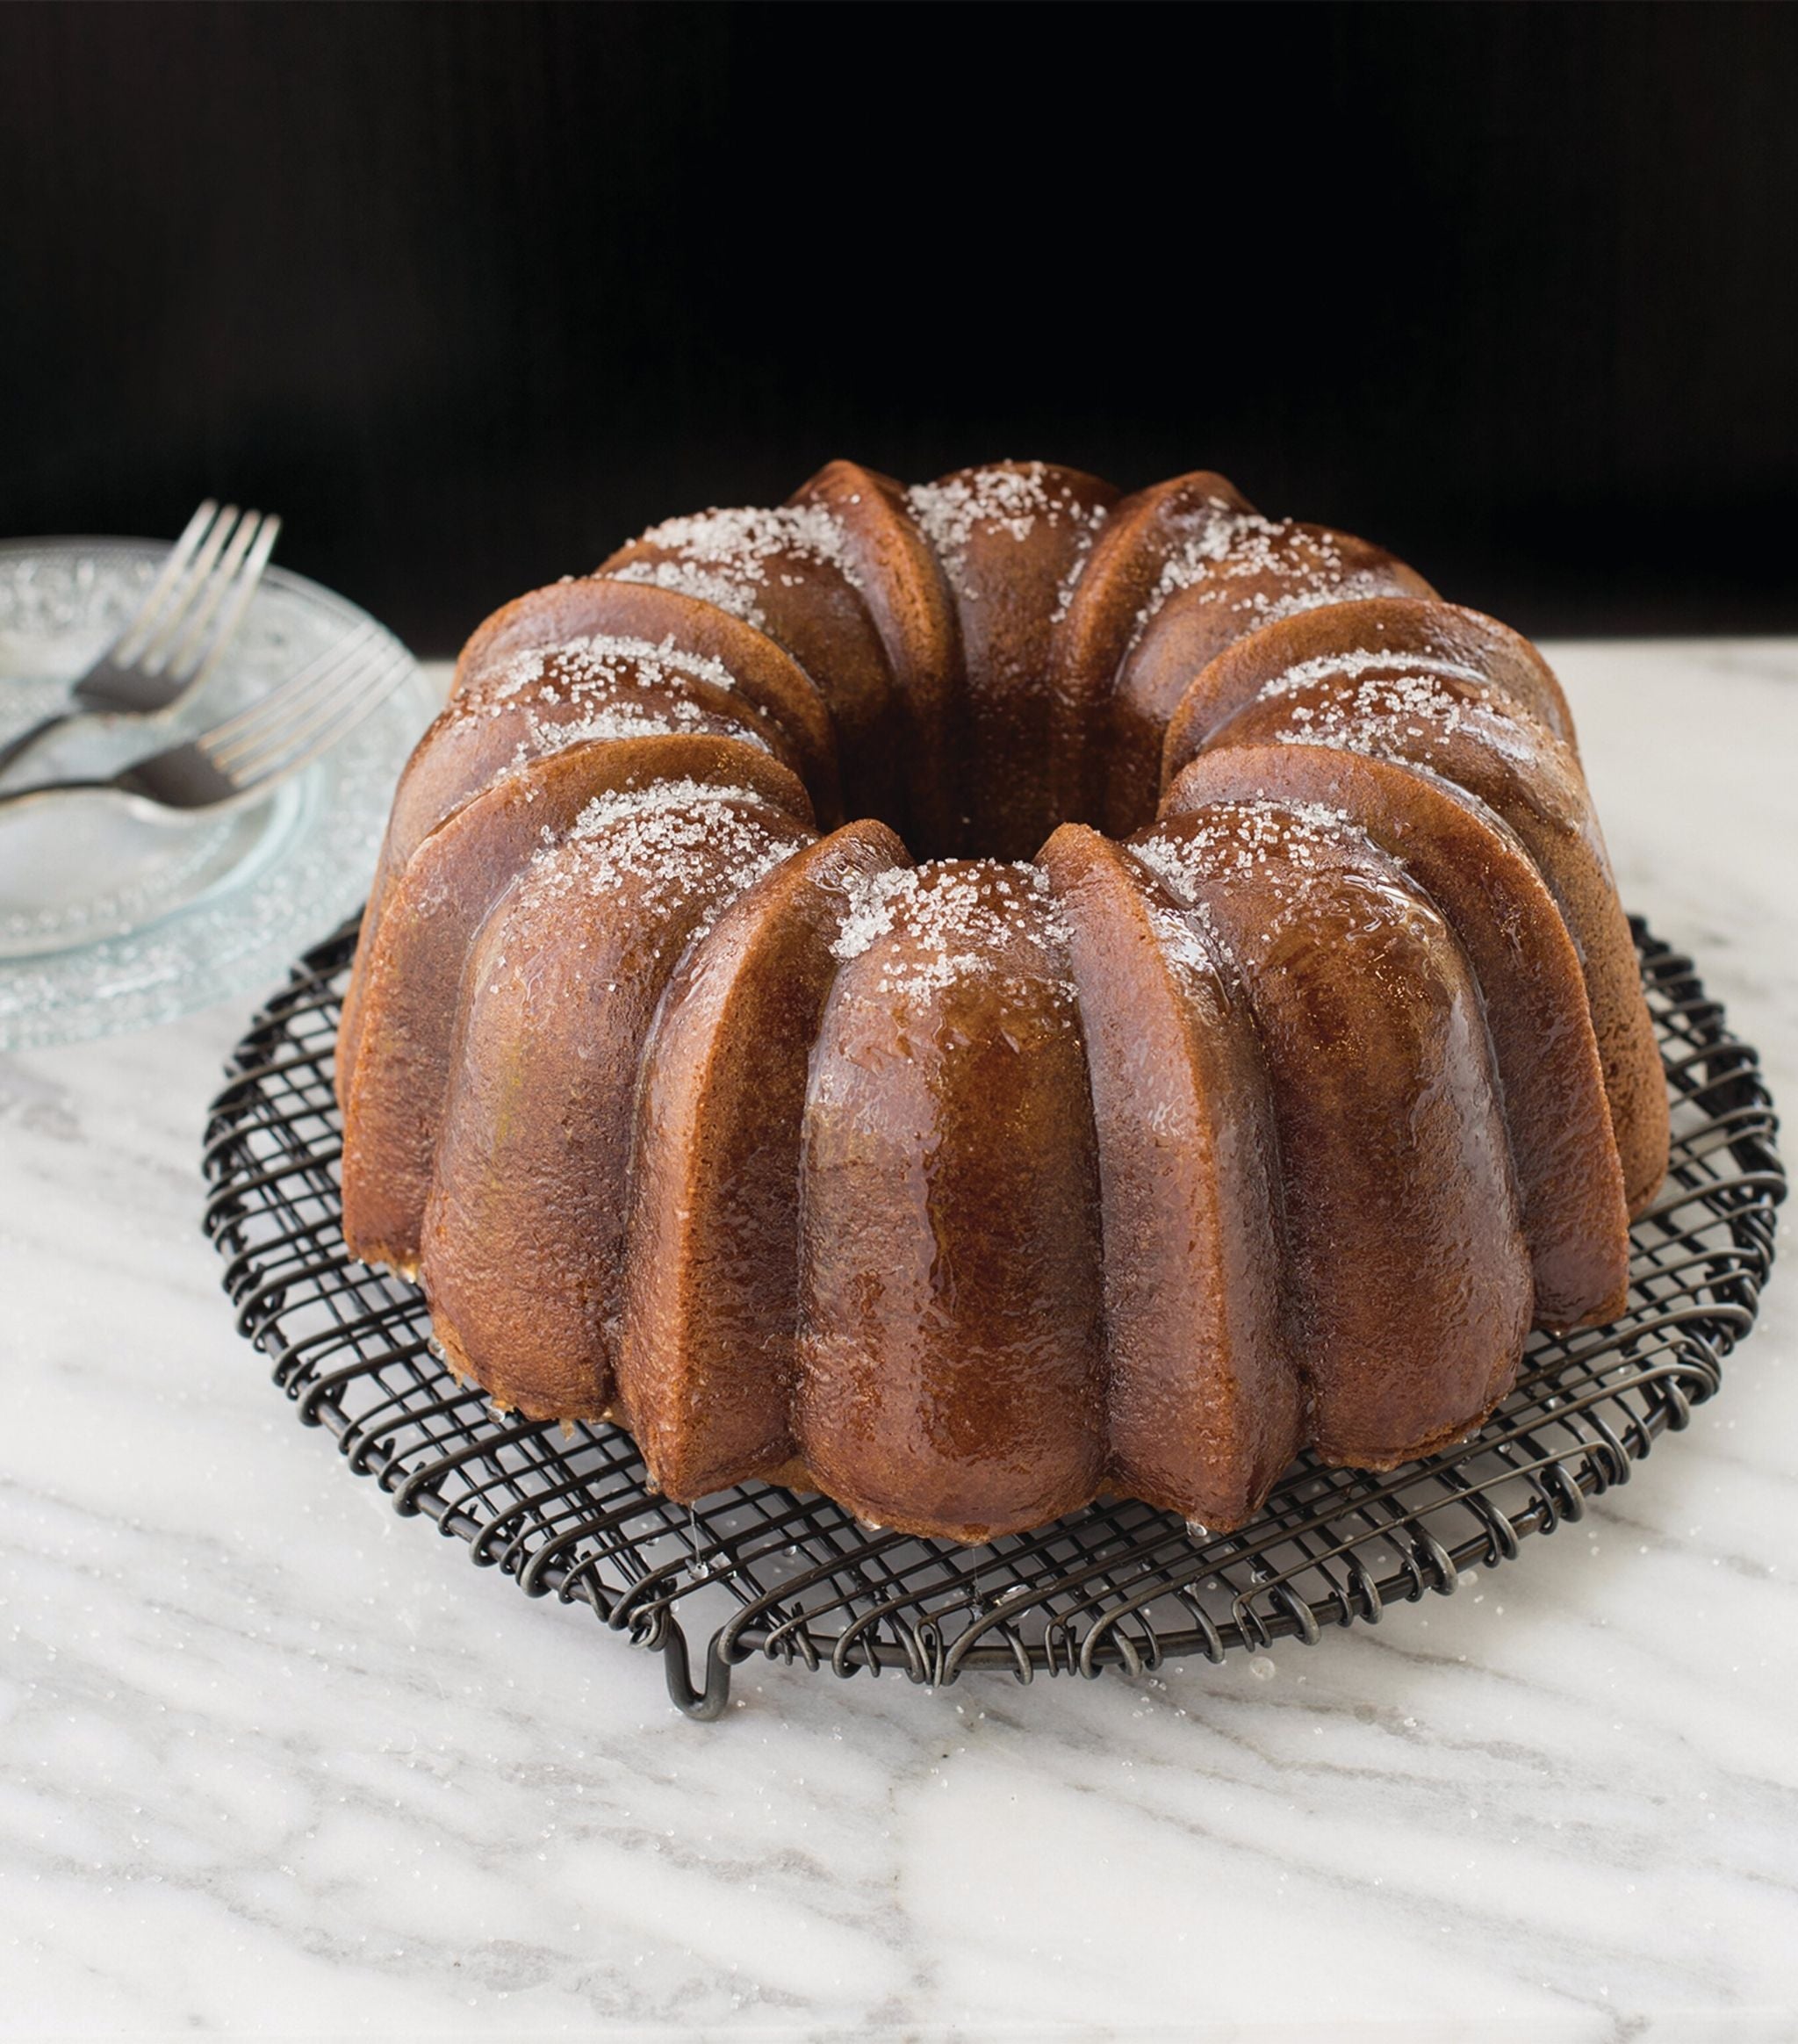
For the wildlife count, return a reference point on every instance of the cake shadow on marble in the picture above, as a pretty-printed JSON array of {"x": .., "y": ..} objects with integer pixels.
[{"x": 1262, "y": 965}]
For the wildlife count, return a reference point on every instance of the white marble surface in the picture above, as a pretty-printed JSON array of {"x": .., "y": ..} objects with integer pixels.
[{"x": 276, "y": 1763}]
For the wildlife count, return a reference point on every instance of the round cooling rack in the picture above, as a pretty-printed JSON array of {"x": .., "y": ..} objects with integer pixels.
[{"x": 569, "y": 1512}]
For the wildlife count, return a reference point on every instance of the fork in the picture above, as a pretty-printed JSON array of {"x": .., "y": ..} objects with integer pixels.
[
  {"x": 267, "y": 743},
  {"x": 186, "y": 620}
]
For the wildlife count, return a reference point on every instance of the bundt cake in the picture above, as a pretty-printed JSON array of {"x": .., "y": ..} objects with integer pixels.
[{"x": 1256, "y": 1052}]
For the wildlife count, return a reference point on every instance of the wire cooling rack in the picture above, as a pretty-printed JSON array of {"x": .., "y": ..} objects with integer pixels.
[{"x": 569, "y": 1512}]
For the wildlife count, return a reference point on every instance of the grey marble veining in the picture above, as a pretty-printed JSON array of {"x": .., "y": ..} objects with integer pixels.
[{"x": 278, "y": 1763}]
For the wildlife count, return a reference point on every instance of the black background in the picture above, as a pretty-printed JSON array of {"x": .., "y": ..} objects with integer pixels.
[{"x": 472, "y": 292}]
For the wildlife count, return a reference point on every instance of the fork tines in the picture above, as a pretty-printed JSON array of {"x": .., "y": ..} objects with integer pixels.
[
  {"x": 308, "y": 715},
  {"x": 195, "y": 604}
]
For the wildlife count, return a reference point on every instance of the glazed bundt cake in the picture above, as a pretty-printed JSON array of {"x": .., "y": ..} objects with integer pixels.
[{"x": 1255, "y": 1051}]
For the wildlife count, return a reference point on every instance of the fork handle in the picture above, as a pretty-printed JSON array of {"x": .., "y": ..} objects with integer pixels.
[
  {"x": 41, "y": 788},
  {"x": 16, "y": 748}
]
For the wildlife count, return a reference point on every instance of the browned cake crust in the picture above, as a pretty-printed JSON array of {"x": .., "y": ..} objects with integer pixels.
[
  {"x": 1487, "y": 724},
  {"x": 764, "y": 674},
  {"x": 1147, "y": 536},
  {"x": 1206, "y": 1402},
  {"x": 1396, "y": 1173},
  {"x": 791, "y": 575},
  {"x": 1252, "y": 571},
  {"x": 965, "y": 1190},
  {"x": 903, "y": 584},
  {"x": 525, "y": 1225},
  {"x": 1013, "y": 537},
  {"x": 707, "y": 1364},
  {"x": 950, "y": 1357},
  {"x": 1475, "y": 870},
  {"x": 411, "y": 968}
]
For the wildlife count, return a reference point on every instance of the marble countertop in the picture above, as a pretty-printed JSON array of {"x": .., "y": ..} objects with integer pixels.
[{"x": 278, "y": 1763}]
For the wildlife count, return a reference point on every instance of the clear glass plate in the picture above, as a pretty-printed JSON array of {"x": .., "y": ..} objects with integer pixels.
[{"x": 113, "y": 918}]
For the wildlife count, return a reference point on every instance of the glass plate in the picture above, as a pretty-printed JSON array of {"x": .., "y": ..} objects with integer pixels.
[{"x": 111, "y": 917}]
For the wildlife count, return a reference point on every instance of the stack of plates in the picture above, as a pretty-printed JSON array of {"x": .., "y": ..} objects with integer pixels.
[{"x": 112, "y": 919}]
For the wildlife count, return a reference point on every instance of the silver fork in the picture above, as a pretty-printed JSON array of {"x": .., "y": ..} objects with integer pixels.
[
  {"x": 186, "y": 620},
  {"x": 265, "y": 744}
]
